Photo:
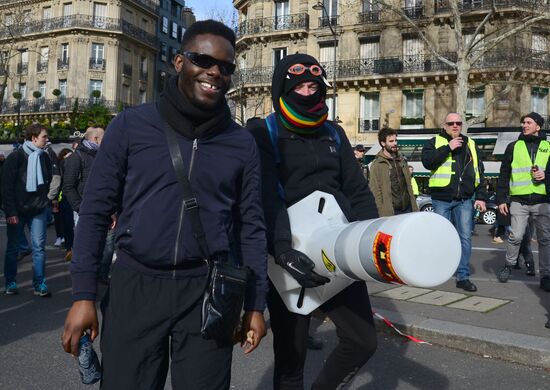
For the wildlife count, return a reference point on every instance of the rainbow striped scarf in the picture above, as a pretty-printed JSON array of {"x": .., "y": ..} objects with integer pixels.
[{"x": 299, "y": 123}]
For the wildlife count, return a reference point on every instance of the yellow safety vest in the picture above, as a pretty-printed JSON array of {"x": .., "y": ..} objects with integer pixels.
[
  {"x": 414, "y": 185},
  {"x": 521, "y": 181},
  {"x": 441, "y": 177}
]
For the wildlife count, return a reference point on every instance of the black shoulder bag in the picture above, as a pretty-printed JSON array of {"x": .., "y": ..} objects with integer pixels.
[{"x": 226, "y": 281}]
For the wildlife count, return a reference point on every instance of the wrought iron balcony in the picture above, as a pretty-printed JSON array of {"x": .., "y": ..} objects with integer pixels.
[
  {"x": 97, "y": 63},
  {"x": 253, "y": 76},
  {"x": 443, "y": 6},
  {"x": 325, "y": 22},
  {"x": 369, "y": 17},
  {"x": 62, "y": 63},
  {"x": 127, "y": 70},
  {"x": 274, "y": 24},
  {"x": 60, "y": 104},
  {"x": 23, "y": 68},
  {"x": 366, "y": 125},
  {"x": 414, "y": 12},
  {"x": 79, "y": 21},
  {"x": 150, "y": 5},
  {"x": 41, "y": 66}
]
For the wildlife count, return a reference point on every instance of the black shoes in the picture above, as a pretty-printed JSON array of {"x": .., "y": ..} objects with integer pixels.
[
  {"x": 530, "y": 269},
  {"x": 466, "y": 285},
  {"x": 313, "y": 343},
  {"x": 545, "y": 283},
  {"x": 504, "y": 274}
]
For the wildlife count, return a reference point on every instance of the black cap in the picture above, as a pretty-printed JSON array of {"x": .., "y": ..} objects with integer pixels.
[
  {"x": 359, "y": 148},
  {"x": 539, "y": 120}
]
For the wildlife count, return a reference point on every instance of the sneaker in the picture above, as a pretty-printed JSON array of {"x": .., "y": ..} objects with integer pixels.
[
  {"x": 11, "y": 288},
  {"x": 504, "y": 274},
  {"x": 58, "y": 242},
  {"x": 69, "y": 255},
  {"x": 530, "y": 269},
  {"x": 497, "y": 240},
  {"x": 42, "y": 290},
  {"x": 545, "y": 283},
  {"x": 22, "y": 255}
]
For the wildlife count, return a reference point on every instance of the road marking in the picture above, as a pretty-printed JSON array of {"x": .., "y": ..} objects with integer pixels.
[{"x": 478, "y": 248}]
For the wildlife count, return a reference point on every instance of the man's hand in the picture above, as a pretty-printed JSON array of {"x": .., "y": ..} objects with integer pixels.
[
  {"x": 480, "y": 205},
  {"x": 503, "y": 208},
  {"x": 81, "y": 317},
  {"x": 113, "y": 222},
  {"x": 455, "y": 143},
  {"x": 12, "y": 220},
  {"x": 538, "y": 175},
  {"x": 301, "y": 268},
  {"x": 253, "y": 330}
]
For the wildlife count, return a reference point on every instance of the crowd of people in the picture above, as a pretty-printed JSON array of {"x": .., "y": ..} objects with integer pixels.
[{"x": 120, "y": 186}]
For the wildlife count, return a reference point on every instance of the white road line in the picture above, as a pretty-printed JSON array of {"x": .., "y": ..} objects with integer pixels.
[{"x": 477, "y": 248}]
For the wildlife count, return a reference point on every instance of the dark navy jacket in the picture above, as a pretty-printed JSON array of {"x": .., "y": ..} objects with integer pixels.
[{"x": 133, "y": 174}]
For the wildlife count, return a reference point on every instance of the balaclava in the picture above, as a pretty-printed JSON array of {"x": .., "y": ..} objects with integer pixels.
[{"x": 300, "y": 114}]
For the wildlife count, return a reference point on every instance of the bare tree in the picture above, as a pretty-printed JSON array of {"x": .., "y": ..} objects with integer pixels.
[{"x": 471, "y": 48}]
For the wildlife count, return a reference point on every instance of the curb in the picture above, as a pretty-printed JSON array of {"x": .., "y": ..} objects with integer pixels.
[{"x": 494, "y": 343}]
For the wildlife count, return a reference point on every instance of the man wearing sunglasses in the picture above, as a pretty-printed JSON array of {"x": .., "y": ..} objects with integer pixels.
[
  {"x": 152, "y": 311},
  {"x": 306, "y": 154},
  {"x": 456, "y": 174}
]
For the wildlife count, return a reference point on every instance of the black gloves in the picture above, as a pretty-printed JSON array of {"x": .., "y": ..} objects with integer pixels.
[{"x": 301, "y": 268}]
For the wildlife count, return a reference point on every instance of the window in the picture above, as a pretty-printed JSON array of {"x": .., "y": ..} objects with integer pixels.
[
  {"x": 63, "y": 87},
  {"x": 370, "y": 112},
  {"x": 97, "y": 53},
  {"x": 326, "y": 53},
  {"x": 539, "y": 42},
  {"x": 331, "y": 113},
  {"x": 145, "y": 24},
  {"x": 539, "y": 101},
  {"x": 165, "y": 24},
  {"x": 475, "y": 102},
  {"x": 26, "y": 21},
  {"x": 100, "y": 11},
  {"x": 182, "y": 31},
  {"x": 43, "y": 57},
  {"x": 143, "y": 68},
  {"x": 129, "y": 15},
  {"x": 163, "y": 52},
  {"x": 23, "y": 91},
  {"x": 413, "y": 107},
  {"x": 67, "y": 13},
  {"x": 468, "y": 37},
  {"x": 46, "y": 13},
  {"x": 25, "y": 57},
  {"x": 332, "y": 10},
  {"x": 370, "y": 48},
  {"x": 278, "y": 55},
  {"x": 64, "y": 53},
  {"x": 42, "y": 98},
  {"x": 8, "y": 20},
  {"x": 174, "y": 32},
  {"x": 95, "y": 85},
  {"x": 413, "y": 48},
  {"x": 281, "y": 15},
  {"x": 142, "y": 97},
  {"x": 331, "y": 7},
  {"x": 173, "y": 52}
]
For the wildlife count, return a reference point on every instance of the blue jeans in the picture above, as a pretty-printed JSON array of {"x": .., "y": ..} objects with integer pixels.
[
  {"x": 37, "y": 226},
  {"x": 459, "y": 212}
]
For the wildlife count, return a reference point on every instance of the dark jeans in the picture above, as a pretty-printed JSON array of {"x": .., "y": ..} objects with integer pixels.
[
  {"x": 146, "y": 321},
  {"x": 351, "y": 313},
  {"x": 66, "y": 213}
]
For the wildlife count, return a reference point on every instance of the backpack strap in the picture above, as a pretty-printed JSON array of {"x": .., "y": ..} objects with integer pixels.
[{"x": 273, "y": 130}]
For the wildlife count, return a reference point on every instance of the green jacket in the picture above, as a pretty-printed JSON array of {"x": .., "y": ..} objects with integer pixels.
[{"x": 380, "y": 185}]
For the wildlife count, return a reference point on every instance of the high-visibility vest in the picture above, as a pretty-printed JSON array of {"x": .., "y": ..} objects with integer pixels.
[
  {"x": 414, "y": 186},
  {"x": 521, "y": 181},
  {"x": 441, "y": 177}
]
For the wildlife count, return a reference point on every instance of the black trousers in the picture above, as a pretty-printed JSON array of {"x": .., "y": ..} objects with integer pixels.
[
  {"x": 351, "y": 312},
  {"x": 146, "y": 322}
]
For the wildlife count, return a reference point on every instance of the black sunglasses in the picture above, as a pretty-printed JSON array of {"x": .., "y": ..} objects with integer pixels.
[
  {"x": 454, "y": 123},
  {"x": 206, "y": 62}
]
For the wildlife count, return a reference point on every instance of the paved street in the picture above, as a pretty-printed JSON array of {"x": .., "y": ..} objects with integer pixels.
[{"x": 31, "y": 356}]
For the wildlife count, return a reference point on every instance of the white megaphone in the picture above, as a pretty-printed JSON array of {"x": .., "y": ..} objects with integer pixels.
[{"x": 418, "y": 249}]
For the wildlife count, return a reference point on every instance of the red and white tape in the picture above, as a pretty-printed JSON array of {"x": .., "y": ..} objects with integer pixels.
[{"x": 389, "y": 323}]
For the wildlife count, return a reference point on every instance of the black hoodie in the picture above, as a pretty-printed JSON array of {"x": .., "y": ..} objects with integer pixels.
[{"x": 503, "y": 186}]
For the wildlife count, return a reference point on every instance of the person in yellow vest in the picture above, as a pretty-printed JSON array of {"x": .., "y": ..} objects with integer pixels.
[
  {"x": 523, "y": 183},
  {"x": 414, "y": 184},
  {"x": 456, "y": 174},
  {"x": 390, "y": 179}
]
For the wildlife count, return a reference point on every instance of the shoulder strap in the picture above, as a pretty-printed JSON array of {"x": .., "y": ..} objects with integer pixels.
[
  {"x": 189, "y": 201},
  {"x": 273, "y": 130}
]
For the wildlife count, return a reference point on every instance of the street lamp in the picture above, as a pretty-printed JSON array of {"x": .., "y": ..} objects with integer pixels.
[
  {"x": 21, "y": 51},
  {"x": 318, "y": 7}
]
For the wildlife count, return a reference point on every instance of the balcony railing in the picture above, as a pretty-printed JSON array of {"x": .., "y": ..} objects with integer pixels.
[
  {"x": 442, "y": 6},
  {"x": 60, "y": 104},
  {"x": 97, "y": 64},
  {"x": 268, "y": 25},
  {"x": 42, "y": 66},
  {"x": 79, "y": 21},
  {"x": 366, "y": 125},
  {"x": 253, "y": 76},
  {"x": 62, "y": 63},
  {"x": 23, "y": 68},
  {"x": 127, "y": 70},
  {"x": 369, "y": 17},
  {"x": 414, "y": 12},
  {"x": 150, "y": 5},
  {"x": 325, "y": 22}
]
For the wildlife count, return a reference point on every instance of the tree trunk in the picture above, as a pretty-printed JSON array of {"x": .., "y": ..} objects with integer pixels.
[{"x": 462, "y": 73}]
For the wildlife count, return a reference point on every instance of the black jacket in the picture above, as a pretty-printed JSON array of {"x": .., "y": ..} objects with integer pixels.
[
  {"x": 76, "y": 170},
  {"x": 503, "y": 185},
  {"x": 462, "y": 185},
  {"x": 307, "y": 164},
  {"x": 16, "y": 200},
  {"x": 133, "y": 174}
]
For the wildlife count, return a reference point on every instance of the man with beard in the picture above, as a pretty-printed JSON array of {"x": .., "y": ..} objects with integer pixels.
[
  {"x": 152, "y": 311},
  {"x": 301, "y": 153},
  {"x": 456, "y": 174},
  {"x": 390, "y": 179},
  {"x": 523, "y": 183}
]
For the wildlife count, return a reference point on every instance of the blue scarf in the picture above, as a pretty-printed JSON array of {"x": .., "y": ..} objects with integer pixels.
[
  {"x": 34, "y": 167},
  {"x": 90, "y": 145}
]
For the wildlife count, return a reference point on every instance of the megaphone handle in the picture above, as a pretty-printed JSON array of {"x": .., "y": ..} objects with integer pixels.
[{"x": 301, "y": 298}]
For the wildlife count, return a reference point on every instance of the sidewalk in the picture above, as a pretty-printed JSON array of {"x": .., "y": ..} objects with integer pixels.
[{"x": 501, "y": 320}]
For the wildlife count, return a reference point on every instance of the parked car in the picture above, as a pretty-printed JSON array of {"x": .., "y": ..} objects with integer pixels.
[{"x": 488, "y": 217}]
